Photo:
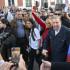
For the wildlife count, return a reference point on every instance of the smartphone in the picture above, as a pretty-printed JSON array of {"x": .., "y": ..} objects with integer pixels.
[{"x": 15, "y": 54}]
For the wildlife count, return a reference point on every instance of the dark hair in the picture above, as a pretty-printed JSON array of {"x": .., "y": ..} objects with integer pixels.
[
  {"x": 33, "y": 22},
  {"x": 33, "y": 27},
  {"x": 25, "y": 9},
  {"x": 17, "y": 10},
  {"x": 26, "y": 13},
  {"x": 4, "y": 21}
]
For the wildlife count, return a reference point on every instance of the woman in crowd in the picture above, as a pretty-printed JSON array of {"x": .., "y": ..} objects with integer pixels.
[{"x": 34, "y": 40}]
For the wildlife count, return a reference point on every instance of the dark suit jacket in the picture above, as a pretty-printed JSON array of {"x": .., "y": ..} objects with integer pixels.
[
  {"x": 60, "y": 66},
  {"x": 58, "y": 44}
]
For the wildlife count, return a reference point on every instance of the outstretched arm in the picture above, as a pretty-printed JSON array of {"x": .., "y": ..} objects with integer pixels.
[{"x": 39, "y": 21}]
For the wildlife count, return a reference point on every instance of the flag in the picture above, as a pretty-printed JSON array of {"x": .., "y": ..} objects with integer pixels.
[
  {"x": 68, "y": 54},
  {"x": 42, "y": 24}
]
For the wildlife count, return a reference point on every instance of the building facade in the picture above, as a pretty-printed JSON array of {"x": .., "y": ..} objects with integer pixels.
[
  {"x": 30, "y": 3},
  {"x": 6, "y": 3}
]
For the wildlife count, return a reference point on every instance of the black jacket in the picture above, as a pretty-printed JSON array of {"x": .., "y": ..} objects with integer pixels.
[
  {"x": 58, "y": 44},
  {"x": 65, "y": 21},
  {"x": 7, "y": 40},
  {"x": 7, "y": 37},
  {"x": 60, "y": 66}
]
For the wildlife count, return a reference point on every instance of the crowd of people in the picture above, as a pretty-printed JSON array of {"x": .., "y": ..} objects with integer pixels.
[{"x": 41, "y": 35}]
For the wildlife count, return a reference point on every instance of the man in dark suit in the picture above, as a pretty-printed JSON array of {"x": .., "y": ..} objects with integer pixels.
[{"x": 58, "y": 40}]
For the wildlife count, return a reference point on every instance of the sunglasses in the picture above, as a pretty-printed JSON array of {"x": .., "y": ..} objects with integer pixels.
[{"x": 57, "y": 14}]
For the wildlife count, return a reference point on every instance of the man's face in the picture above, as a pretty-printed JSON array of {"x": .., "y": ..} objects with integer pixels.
[
  {"x": 26, "y": 16},
  {"x": 43, "y": 12},
  {"x": 56, "y": 23},
  {"x": 19, "y": 15}
]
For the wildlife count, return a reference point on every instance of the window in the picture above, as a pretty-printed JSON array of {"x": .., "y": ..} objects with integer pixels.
[
  {"x": 11, "y": 2},
  {"x": 44, "y": 3},
  {"x": 28, "y": 3},
  {"x": 59, "y": 2}
]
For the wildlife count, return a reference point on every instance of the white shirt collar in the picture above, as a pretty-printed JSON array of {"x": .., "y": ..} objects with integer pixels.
[{"x": 56, "y": 32}]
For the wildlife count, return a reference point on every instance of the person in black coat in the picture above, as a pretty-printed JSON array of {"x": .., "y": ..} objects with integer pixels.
[
  {"x": 65, "y": 18},
  {"x": 7, "y": 39},
  {"x": 57, "y": 40}
]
